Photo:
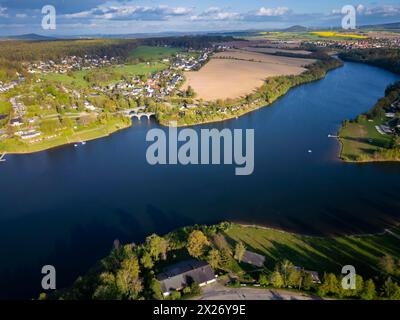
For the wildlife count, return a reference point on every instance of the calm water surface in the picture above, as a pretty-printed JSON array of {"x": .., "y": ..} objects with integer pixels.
[{"x": 66, "y": 206}]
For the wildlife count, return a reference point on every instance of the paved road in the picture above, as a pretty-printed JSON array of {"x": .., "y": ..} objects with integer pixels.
[{"x": 219, "y": 292}]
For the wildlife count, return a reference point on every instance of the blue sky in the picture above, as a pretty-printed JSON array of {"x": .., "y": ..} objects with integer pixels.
[{"x": 76, "y": 17}]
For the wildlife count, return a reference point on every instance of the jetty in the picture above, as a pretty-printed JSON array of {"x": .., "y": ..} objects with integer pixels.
[{"x": 2, "y": 159}]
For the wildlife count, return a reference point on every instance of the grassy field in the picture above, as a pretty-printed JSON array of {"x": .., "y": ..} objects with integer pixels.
[
  {"x": 91, "y": 133},
  {"x": 320, "y": 254},
  {"x": 153, "y": 53},
  {"x": 77, "y": 78},
  {"x": 361, "y": 140}
]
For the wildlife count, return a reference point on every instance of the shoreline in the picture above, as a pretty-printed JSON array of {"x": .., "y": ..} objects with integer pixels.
[
  {"x": 72, "y": 141},
  {"x": 257, "y": 106},
  {"x": 364, "y": 161},
  {"x": 386, "y": 230}
]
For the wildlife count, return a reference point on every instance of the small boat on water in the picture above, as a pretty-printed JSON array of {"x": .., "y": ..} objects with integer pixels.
[
  {"x": 83, "y": 143},
  {"x": 75, "y": 145}
]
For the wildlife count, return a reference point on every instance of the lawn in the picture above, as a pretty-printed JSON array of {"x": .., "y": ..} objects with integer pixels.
[
  {"x": 153, "y": 53},
  {"x": 77, "y": 78},
  {"x": 91, "y": 133},
  {"x": 361, "y": 140},
  {"x": 318, "y": 253}
]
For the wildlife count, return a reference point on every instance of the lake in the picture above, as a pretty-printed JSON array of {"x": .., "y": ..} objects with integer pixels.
[{"x": 65, "y": 206}]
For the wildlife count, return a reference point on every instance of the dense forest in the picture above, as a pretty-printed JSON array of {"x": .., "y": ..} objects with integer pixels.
[
  {"x": 189, "y": 42},
  {"x": 388, "y": 59}
]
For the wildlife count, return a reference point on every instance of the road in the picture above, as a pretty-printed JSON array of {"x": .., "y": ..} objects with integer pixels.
[{"x": 219, "y": 292}]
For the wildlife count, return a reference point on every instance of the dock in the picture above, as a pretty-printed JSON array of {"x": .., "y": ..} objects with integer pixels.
[{"x": 2, "y": 159}]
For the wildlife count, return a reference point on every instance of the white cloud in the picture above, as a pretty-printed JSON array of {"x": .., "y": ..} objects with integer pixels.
[
  {"x": 21, "y": 15},
  {"x": 129, "y": 12},
  {"x": 216, "y": 14},
  {"x": 272, "y": 12},
  {"x": 3, "y": 13}
]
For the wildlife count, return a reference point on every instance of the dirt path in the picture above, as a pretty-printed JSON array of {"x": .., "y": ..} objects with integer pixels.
[{"x": 219, "y": 292}]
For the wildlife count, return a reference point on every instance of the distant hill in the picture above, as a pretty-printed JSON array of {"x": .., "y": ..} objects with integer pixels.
[
  {"x": 386, "y": 26},
  {"x": 296, "y": 28},
  {"x": 29, "y": 37}
]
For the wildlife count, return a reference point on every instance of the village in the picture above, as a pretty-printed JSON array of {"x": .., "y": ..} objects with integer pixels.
[
  {"x": 155, "y": 86},
  {"x": 69, "y": 64},
  {"x": 392, "y": 125},
  {"x": 370, "y": 43}
]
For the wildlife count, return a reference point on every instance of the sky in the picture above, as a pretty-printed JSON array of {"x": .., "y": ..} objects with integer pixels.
[{"x": 85, "y": 17}]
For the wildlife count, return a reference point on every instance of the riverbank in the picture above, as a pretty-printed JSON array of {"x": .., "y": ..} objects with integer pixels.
[
  {"x": 375, "y": 135},
  {"x": 218, "y": 245},
  {"x": 17, "y": 147},
  {"x": 272, "y": 89},
  {"x": 362, "y": 143}
]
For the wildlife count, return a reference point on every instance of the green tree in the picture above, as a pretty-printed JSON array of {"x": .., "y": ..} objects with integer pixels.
[
  {"x": 146, "y": 260},
  {"x": 127, "y": 279},
  {"x": 285, "y": 268},
  {"x": 294, "y": 278},
  {"x": 330, "y": 285},
  {"x": 387, "y": 265},
  {"x": 369, "y": 290},
  {"x": 155, "y": 287},
  {"x": 277, "y": 280},
  {"x": 107, "y": 288},
  {"x": 175, "y": 295},
  {"x": 240, "y": 249},
  {"x": 391, "y": 290},
  {"x": 308, "y": 281},
  {"x": 157, "y": 246},
  {"x": 263, "y": 280},
  {"x": 214, "y": 258},
  {"x": 197, "y": 243}
]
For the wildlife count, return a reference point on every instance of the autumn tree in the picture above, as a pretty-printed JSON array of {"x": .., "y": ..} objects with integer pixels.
[
  {"x": 276, "y": 279},
  {"x": 330, "y": 285},
  {"x": 146, "y": 260},
  {"x": 239, "y": 251},
  {"x": 214, "y": 258},
  {"x": 127, "y": 279},
  {"x": 157, "y": 247},
  {"x": 369, "y": 290},
  {"x": 197, "y": 243}
]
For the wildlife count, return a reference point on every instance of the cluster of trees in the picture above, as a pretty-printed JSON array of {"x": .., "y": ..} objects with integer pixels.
[
  {"x": 286, "y": 275},
  {"x": 129, "y": 272},
  {"x": 384, "y": 58},
  {"x": 28, "y": 51},
  {"x": 192, "y": 42},
  {"x": 392, "y": 93}
]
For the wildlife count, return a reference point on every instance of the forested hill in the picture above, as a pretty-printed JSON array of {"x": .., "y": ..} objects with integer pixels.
[{"x": 388, "y": 59}]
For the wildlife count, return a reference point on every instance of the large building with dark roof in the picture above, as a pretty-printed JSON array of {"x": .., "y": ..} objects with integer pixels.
[{"x": 183, "y": 274}]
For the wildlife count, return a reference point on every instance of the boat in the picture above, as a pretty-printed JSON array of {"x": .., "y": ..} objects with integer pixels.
[{"x": 75, "y": 145}]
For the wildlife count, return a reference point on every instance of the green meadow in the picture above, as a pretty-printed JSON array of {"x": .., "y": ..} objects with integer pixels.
[
  {"x": 323, "y": 254},
  {"x": 153, "y": 53}
]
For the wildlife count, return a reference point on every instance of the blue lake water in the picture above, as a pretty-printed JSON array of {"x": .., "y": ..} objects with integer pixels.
[{"x": 65, "y": 206}]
